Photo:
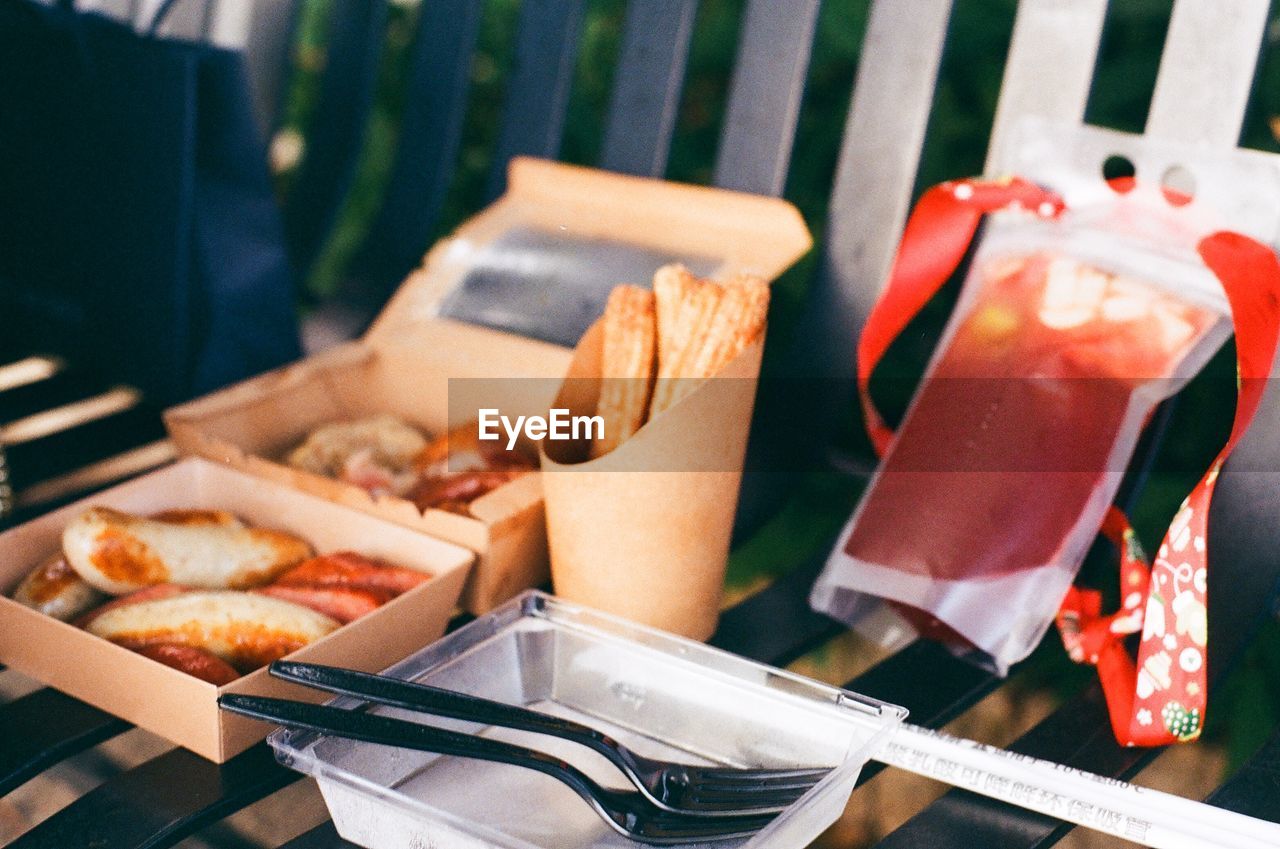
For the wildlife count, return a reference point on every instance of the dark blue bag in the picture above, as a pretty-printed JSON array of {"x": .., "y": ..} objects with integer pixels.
[{"x": 138, "y": 228}]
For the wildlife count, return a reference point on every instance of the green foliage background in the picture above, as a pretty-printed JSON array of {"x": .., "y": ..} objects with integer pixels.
[{"x": 956, "y": 144}]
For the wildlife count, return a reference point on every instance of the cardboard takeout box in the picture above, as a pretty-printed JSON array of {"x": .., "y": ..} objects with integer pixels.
[
  {"x": 539, "y": 262},
  {"x": 253, "y": 425},
  {"x": 172, "y": 703}
]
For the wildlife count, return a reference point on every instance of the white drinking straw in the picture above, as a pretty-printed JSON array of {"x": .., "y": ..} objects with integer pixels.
[{"x": 1145, "y": 816}]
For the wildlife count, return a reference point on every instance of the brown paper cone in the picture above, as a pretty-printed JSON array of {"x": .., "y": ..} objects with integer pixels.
[{"x": 643, "y": 531}]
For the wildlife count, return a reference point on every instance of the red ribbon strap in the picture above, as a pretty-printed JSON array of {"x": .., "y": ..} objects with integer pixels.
[
  {"x": 1090, "y": 637},
  {"x": 1161, "y": 698},
  {"x": 933, "y": 244}
]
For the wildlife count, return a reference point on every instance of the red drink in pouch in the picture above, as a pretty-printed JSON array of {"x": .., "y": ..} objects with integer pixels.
[{"x": 1015, "y": 444}]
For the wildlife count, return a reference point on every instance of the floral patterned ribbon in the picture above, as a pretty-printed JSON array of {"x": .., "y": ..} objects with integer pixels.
[{"x": 1160, "y": 698}]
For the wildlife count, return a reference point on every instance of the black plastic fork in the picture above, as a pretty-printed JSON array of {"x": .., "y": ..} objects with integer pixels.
[
  {"x": 627, "y": 812},
  {"x": 678, "y": 788}
]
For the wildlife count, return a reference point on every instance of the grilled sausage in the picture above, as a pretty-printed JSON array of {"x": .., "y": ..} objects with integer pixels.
[
  {"x": 54, "y": 589},
  {"x": 348, "y": 569},
  {"x": 455, "y": 492},
  {"x": 247, "y": 630},
  {"x": 457, "y": 468},
  {"x": 345, "y": 604},
  {"x": 195, "y": 662},
  {"x": 119, "y": 553}
]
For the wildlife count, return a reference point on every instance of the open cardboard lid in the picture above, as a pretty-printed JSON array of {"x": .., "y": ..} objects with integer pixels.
[{"x": 541, "y": 260}]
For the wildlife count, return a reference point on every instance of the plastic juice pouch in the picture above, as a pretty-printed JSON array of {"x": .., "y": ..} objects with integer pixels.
[{"x": 1070, "y": 327}]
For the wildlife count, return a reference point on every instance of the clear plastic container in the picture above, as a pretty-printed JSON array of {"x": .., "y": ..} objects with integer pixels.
[{"x": 663, "y": 696}]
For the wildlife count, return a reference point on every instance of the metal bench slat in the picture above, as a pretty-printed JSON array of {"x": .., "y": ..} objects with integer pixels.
[
  {"x": 53, "y": 391},
  {"x": 1244, "y": 573},
  {"x": 64, "y": 417},
  {"x": 1207, "y": 71},
  {"x": 51, "y": 493},
  {"x": 1049, "y": 71},
  {"x": 27, "y": 371},
  {"x": 879, "y": 157},
  {"x": 188, "y": 20},
  {"x": 963, "y": 812},
  {"x": 1254, "y": 789},
  {"x": 765, "y": 95},
  {"x": 141, "y": 12},
  {"x": 44, "y": 727},
  {"x": 333, "y": 144},
  {"x": 268, "y": 57},
  {"x": 228, "y": 23},
  {"x": 776, "y": 625},
  {"x": 927, "y": 680},
  {"x": 538, "y": 92},
  {"x": 321, "y": 837},
  {"x": 118, "y": 9},
  {"x": 160, "y": 802},
  {"x": 648, "y": 81},
  {"x": 70, "y": 449},
  {"x": 430, "y": 132}
]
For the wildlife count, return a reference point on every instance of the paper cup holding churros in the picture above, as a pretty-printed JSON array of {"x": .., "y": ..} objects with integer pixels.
[{"x": 639, "y": 521}]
